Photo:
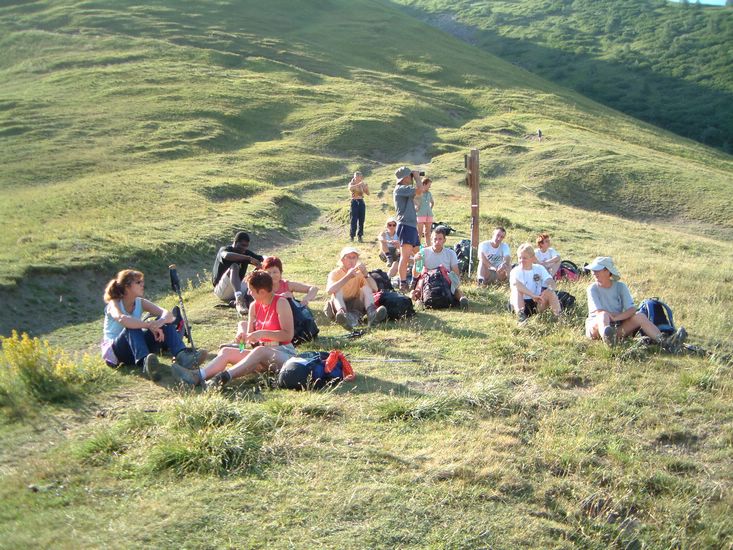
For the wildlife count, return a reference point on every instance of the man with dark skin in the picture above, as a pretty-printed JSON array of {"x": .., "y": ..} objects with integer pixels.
[{"x": 230, "y": 269}]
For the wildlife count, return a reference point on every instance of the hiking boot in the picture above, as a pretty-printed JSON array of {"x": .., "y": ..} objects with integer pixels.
[
  {"x": 343, "y": 320},
  {"x": 463, "y": 303},
  {"x": 216, "y": 383},
  {"x": 360, "y": 239},
  {"x": 189, "y": 359},
  {"x": 383, "y": 257},
  {"x": 609, "y": 335},
  {"x": 152, "y": 367},
  {"x": 240, "y": 302},
  {"x": 187, "y": 376},
  {"x": 404, "y": 286},
  {"x": 376, "y": 315},
  {"x": 522, "y": 318},
  {"x": 674, "y": 342}
]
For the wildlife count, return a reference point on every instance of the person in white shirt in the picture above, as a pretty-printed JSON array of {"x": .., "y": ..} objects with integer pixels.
[
  {"x": 389, "y": 245},
  {"x": 546, "y": 256},
  {"x": 437, "y": 255},
  {"x": 495, "y": 259},
  {"x": 532, "y": 286}
]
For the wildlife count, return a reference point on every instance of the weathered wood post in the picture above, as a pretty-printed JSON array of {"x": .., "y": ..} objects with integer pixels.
[{"x": 471, "y": 164}]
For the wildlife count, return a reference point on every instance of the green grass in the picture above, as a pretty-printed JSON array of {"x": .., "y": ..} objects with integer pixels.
[{"x": 206, "y": 118}]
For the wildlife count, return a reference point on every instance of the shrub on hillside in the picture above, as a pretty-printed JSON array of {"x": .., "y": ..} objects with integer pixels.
[{"x": 33, "y": 371}]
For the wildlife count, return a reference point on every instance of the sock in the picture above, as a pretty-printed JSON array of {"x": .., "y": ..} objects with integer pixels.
[
  {"x": 201, "y": 374},
  {"x": 237, "y": 294}
]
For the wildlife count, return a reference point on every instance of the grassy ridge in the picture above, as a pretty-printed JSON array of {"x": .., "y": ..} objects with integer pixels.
[
  {"x": 152, "y": 103},
  {"x": 657, "y": 61}
]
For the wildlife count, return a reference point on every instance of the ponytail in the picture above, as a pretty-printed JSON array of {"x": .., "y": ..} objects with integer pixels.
[{"x": 115, "y": 289}]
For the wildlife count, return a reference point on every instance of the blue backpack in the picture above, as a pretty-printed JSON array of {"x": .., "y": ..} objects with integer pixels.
[
  {"x": 658, "y": 313},
  {"x": 309, "y": 370}
]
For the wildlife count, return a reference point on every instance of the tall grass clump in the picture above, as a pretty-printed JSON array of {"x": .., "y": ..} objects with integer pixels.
[{"x": 32, "y": 371}]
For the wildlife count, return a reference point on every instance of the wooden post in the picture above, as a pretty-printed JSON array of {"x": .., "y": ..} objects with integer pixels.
[{"x": 472, "y": 180}]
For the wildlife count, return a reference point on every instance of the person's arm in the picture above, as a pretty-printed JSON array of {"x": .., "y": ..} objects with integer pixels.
[
  {"x": 549, "y": 283},
  {"x": 164, "y": 316},
  {"x": 332, "y": 287},
  {"x": 285, "y": 334},
  {"x": 626, "y": 314},
  {"x": 432, "y": 202},
  {"x": 364, "y": 188},
  {"x": 523, "y": 290},
  {"x": 310, "y": 291},
  {"x": 236, "y": 257}
]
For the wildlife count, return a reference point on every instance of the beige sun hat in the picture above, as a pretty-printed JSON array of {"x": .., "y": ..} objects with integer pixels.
[{"x": 604, "y": 262}]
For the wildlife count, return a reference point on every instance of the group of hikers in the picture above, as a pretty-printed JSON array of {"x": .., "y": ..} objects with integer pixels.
[{"x": 264, "y": 337}]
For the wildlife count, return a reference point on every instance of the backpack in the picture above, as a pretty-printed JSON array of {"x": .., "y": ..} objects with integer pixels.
[
  {"x": 435, "y": 290},
  {"x": 567, "y": 300},
  {"x": 463, "y": 253},
  {"x": 398, "y": 305},
  {"x": 568, "y": 270},
  {"x": 382, "y": 279},
  {"x": 304, "y": 325},
  {"x": 448, "y": 228},
  {"x": 658, "y": 313},
  {"x": 315, "y": 370}
]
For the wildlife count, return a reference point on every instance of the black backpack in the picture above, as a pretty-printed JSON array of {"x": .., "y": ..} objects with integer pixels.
[
  {"x": 382, "y": 280},
  {"x": 567, "y": 300},
  {"x": 436, "y": 292},
  {"x": 658, "y": 313},
  {"x": 398, "y": 305},
  {"x": 463, "y": 253},
  {"x": 304, "y": 325}
]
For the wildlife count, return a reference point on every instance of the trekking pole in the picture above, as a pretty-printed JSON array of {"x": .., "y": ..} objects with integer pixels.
[
  {"x": 176, "y": 286},
  {"x": 470, "y": 251}
]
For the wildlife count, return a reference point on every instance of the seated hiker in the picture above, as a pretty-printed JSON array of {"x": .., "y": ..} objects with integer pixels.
[
  {"x": 128, "y": 339},
  {"x": 404, "y": 196},
  {"x": 495, "y": 258},
  {"x": 230, "y": 269},
  {"x": 611, "y": 312},
  {"x": 532, "y": 287},
  {"x": 274, "y": 266},
  {"x": 389, "y": 245},
  {"x": 269, "y": 327},
  {"x": 546, "y": 256},
  {"x": 351, "y": 291},
  {"x": 436, "y": 256}
]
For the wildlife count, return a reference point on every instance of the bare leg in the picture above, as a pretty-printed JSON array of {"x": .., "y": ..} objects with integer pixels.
[
  {"x": 405, "y": 254},
  {"x": 549, "y": 298},
  {"x": 226, "y": 356},
  {"x": 517, "y": 301},
  {"x": 259, "y": 359},
  {"x": 639, "y": 321}
]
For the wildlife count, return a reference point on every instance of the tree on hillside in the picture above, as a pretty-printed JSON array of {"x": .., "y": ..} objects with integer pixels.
[{"x": 729, "y": 3}]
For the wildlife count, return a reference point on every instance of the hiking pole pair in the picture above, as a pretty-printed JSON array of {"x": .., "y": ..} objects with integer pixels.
[{"x": 176, "y": 286}]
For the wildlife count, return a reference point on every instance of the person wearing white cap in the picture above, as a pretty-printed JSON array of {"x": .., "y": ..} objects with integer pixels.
[
  {"x": 352, "y": 292},
  {"x": 389, "y": 244},
  {"x": 611, "y": 312},
  {"x": 404, "y": 202}
]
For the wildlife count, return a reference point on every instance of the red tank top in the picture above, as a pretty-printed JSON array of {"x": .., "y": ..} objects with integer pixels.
[{"x": 266, "y": 317}]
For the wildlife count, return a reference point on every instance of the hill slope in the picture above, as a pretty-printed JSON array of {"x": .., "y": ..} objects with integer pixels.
[{"x": 663, "y": 63}]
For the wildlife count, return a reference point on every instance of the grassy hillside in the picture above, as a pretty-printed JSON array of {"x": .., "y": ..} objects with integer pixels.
[
  {"x": 140, "y": 134},
  {"x": 667, "y": 64}
]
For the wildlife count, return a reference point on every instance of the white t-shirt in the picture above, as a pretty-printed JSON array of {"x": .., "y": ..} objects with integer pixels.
[
  {"x": 495, "y": 255},
  {"x": 446, "y": 257},
  {"x": 544, "y": 256},
  {"x": 533, "y": 279}
]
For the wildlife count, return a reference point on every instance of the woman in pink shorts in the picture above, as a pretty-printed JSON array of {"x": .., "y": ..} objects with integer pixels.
[{"x": 424, "y": 207}]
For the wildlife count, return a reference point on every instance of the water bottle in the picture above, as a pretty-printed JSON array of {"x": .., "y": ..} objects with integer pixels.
[{"x": 419, "y": 263}]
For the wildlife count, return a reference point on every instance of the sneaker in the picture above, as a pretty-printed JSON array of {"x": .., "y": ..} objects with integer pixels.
[
  {"x": 188, "y": 358},
  {"x": 404, "y": 286},
  {"x": 343, "y": 320},
  {"x": 152, "y": 367},
  {"x": 383, "y": 257},
  {"x": 240, "y": 302},
  {"x": 463, "y": 303},
  {"x": 187, "y": 376},
  {"x": 609, "y": 335},
  {"x": 522, "y": 317},
  {"x": 480, "y": 281},
  {"x": 360, "y": 239},
  {"x": 376, "y": 315}
]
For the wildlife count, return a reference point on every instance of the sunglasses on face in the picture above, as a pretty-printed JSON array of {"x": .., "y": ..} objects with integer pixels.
[{"x": 391, "y": 225}]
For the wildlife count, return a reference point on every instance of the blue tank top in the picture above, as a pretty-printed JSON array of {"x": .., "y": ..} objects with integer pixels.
[{"x": 112, "y": 328}]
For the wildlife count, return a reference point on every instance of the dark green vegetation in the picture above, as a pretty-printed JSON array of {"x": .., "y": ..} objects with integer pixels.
[
  {"x": 668, "y": 64},
  {"x": 140, "y": 134}
]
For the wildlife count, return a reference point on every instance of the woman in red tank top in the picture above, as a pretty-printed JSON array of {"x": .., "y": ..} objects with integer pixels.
[{"x": 270, "y": 328}]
